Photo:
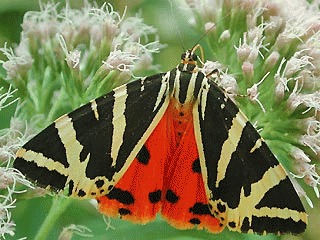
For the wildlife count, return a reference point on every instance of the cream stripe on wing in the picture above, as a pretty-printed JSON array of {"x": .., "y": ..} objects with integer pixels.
[
  {"x": 77, "y": 169},
  {"x": 203, "y": 94},
  {"x": 257, "y": 145},
  {"x": 68, "y": 138},
  {"x": 176, "y": 87},
  {"x": 42, "y": 161},
  {"x": 283, "y": 213},
  {"x": 94, "y": 109},
  {"x": 118, "y": 121},
  {"x": 142, "y": 84},
  {"x": 163, "y": 89},
  {"x": 230, "y": 145},
  {"x": 191, "y": 86}
]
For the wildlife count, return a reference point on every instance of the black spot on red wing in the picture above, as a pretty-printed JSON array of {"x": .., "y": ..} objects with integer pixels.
[
  {"x": 81, "y": 193},
  {"x": 181, "y": 114},
  {"x": 120, "y": 195},
  {"x": 200, "y": 208},
  {"x": 124, "y": 211},
  {"x": 171, "y": 197},
  {"x": 155, "y": 196},
  {"x": 195, "y": 221},
  {"x": 143, "y": 156},
  {"x": 196, "y": 166},
  {"x": 99, "y": 183},
  {"x": 221, "y": 207}
]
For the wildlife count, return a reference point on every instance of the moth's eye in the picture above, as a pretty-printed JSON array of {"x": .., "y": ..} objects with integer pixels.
[{"x": 193, "y": 57}]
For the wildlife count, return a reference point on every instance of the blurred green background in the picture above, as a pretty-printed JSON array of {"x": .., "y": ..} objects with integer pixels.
[{"x": 175, "y": 32}]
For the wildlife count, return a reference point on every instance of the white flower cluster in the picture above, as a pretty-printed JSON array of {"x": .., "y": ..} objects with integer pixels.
[
  {"x": 10, "y": 140},
  {"x": 85, "y": 39}
]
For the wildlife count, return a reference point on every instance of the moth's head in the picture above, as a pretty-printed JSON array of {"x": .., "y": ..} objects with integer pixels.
[
  {"x": 189, "y": 60},
  {"x": 189, "y": 57}
]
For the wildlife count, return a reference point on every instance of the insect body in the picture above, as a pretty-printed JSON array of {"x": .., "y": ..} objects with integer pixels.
[{"x": 172, "y": 143}]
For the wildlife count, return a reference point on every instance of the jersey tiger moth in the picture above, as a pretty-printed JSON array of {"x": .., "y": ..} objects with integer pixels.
[{"x": 173, "y": 143}]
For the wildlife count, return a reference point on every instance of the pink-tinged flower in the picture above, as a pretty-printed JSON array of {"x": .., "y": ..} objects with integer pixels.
[
  {"x": 68, "y": 232},
  {"x": 122, "y": 61},
  {"x": 17, "y": 64}
]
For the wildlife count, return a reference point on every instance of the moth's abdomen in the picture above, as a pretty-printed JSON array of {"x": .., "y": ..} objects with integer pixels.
[
  {"x": 186, "y": 85},
  {"x": 181, "y": 117}
]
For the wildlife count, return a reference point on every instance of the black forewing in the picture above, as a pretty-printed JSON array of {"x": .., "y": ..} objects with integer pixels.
[
  {"x": 44, "y": 158},
  {"x": 245, "y": 183}
]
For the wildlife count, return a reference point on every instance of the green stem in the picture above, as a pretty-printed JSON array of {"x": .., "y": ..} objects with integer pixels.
[{"x": 58, "y": 206}]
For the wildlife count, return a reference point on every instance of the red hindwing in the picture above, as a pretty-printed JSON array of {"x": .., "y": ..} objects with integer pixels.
[{"x": 165, "y": 177}]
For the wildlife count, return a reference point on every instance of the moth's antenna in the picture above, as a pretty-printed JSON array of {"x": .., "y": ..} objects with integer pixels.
[
  {"x": 195, "y": 47},
  {"x": 203, "y": 35}
]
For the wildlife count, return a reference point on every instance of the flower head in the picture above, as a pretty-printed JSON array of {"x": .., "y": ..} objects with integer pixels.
[
  {"x": 68, "y": 232},
  {"x": 122, "y": 61},
  {"x": 62, "y": 51}
]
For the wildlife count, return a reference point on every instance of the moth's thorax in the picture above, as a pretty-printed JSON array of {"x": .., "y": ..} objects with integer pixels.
[
  {"x": 187, "y": 85},
  {"x": 187, "y": 78}
]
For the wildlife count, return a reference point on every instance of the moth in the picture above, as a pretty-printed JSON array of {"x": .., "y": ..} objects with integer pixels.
[{"x": 173, "y": 143}]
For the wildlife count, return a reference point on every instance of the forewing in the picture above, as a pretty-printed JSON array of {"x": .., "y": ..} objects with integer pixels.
[
  {"x": 89, "y": 149},
  {"x": 247, "y": 187}
]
